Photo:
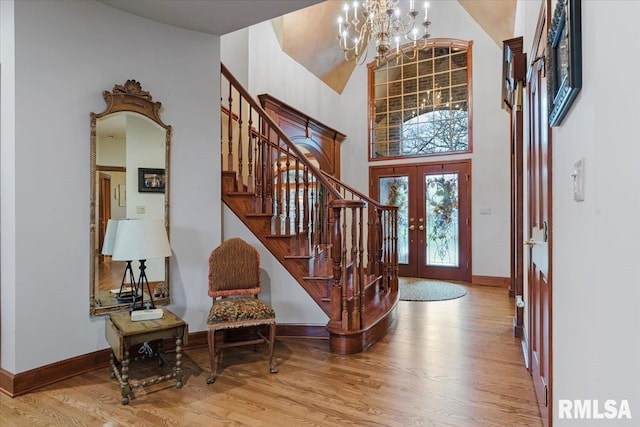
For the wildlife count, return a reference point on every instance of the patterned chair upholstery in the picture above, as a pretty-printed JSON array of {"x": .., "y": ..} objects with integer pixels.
[{"x": 234, "y": 285}]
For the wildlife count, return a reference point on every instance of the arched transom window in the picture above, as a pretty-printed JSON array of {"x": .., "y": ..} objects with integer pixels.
[{"x": 420, "y": 105}]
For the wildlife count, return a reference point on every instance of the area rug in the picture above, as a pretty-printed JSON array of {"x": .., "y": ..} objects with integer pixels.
[{"x": 417, "y": 289}]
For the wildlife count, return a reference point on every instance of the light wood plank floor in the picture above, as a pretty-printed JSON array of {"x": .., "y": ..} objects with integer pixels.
[{"x": 448, "y": 363}]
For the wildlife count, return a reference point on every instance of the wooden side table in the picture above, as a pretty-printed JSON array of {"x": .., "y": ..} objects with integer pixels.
[{"x": 122, "y": 333}]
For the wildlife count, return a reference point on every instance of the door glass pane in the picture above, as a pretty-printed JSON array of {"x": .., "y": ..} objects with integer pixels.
[
  {"x": 394, "y": 192},
  {"x": 441, "y": 200}
]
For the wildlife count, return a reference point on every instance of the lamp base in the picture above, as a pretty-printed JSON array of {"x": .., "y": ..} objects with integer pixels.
[
  {"x": 155, "y": 313},
  {"x": 128, "y": 298}
]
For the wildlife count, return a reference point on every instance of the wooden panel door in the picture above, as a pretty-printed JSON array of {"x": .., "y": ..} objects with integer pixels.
[
  {"x": 434, "y": 231},
  {"x": 104, "y": 209},
  {"x": 539, "y": 268}
]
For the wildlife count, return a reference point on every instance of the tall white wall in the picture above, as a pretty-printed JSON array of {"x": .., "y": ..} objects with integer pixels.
[
  {"x": 234, "y": 54},
  {"x": 596, "y": 297},
  {"x": 145, "y": 149},
  {"x": 66, "y": 54},
  {"x": 7, "y": 184}
]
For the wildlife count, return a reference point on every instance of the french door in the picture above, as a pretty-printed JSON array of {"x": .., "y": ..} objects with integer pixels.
[{"x": 434, "y": 208}]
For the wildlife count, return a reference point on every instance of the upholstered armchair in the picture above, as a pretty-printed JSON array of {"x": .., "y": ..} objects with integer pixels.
[{"x": 234, "y": 285}]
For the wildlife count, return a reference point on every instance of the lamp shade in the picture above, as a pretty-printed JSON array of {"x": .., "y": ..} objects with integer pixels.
[
  {"x": 138, "y": 239},
  {"x": 110, "y": 237}
]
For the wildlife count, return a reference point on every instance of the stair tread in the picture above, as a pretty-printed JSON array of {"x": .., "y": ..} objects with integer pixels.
[
  {"x": 258, "y": 215},
  {"x": 240, "y": 193}
]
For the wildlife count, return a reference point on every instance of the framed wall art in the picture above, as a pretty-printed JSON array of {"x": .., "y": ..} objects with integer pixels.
[
  {"x": 564, "y": 59},
  {"x": 151, "y": 180}
]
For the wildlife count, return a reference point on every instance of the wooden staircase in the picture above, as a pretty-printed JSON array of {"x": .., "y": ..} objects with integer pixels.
[{"x": 340, "y": 245}]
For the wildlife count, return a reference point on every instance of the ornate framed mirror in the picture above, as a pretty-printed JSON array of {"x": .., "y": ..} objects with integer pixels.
[{"x": 130, "y": 148}]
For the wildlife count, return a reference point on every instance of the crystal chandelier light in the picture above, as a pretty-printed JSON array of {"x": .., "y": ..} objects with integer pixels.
[{"x": 382, "y": 21}]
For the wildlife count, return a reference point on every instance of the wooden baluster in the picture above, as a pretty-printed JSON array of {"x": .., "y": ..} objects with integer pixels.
[
  {"x": 250, "y": 174},
  {"x": 221, "y": 132},
  {"x": 371, "y": 220},
  {"x": 287, "y": 192},
  {"x": 240, "y": 175},
  {"x": 314, "y": 214},
  {"x": 268, "y": 171},
  {"x": 394, "y": 257},
  {"x": 321, "y": 216},
  {"x": 391, "y": 249},
  {"x": 379, "y": 242},
  {"x": 305, "y": 198},
  {"x": 297, "y": 214},
  {"x": 259, "y": 169},
  {"x": 230, "y": 131},
  {"x": 278, "y": 193},
  {"x": 328, "y": 199},
  {"x": 386, "y": 248},
  {"x": 361, "y": 271}
]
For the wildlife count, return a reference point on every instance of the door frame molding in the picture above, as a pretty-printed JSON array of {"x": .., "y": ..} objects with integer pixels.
[
  {"x": 514, "y": 80},
  {"x": 469, "y": 167},
  {"x": 536, "y": 64}
]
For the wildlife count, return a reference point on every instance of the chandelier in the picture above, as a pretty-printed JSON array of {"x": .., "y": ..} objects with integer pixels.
[{"x": 382, "y": 21}]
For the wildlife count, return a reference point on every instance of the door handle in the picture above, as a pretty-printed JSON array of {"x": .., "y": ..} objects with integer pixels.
[
  {"x": 412, "y": 227},
  {"x": 421, "y": 227}
]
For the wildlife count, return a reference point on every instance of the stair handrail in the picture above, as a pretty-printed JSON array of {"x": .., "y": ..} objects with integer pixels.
[
  {"x": 361, "y": 251},
  {"x": 362, "y": 196},
  {"x": 276, "y": 128}
]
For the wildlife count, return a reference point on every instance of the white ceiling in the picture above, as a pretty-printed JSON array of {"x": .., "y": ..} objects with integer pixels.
[{"x": 210, "y": 16}]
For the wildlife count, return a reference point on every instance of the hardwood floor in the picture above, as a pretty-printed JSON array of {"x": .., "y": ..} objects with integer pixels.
[
  {"x": 448, "y": 363},
  {"x": 109, "y": 274}
]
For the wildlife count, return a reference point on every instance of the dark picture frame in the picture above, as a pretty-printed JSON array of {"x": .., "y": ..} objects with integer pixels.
[
  {"x": 564, "y": 59},
  {"x": 151, "y": 180}
]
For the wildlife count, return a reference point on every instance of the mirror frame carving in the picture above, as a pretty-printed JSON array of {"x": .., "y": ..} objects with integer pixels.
[{"x": 125, "y": 98}]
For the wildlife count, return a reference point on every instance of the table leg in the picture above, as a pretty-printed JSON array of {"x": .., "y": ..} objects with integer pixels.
[
  {"x": 160, "y": 353},
  {"x": 112, "y": 364},
  {"x": 125, "y": 388},
  {"x": 178, "y": 368}
]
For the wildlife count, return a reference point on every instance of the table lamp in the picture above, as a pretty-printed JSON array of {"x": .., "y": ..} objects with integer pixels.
[
  {"x": 125, "y": 294},
  {"x": 141, "y": 239}
]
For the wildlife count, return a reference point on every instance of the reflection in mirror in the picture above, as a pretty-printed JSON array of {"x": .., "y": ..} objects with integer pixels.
[{"x": 129, "y": 179}]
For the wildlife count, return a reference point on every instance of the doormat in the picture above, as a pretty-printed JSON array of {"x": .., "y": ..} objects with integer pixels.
[{"x": 417, "y": 289}]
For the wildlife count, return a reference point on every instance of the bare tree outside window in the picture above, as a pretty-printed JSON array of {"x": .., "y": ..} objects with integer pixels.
[{"x": 436, "y": 132}]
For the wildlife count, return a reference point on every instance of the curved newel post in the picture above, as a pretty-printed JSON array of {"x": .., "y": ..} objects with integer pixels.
[
  {"x": 347, "y": 292},
  {"x": 361, "y": 267},
  {"x": 356, "y": 279},
  {"x": 336, "y": 256}
]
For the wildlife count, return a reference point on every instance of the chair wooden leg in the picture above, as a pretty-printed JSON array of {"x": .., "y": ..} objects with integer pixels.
[
  {"x": 211, "y": 337},
  {"x": 272, "y": 340}
]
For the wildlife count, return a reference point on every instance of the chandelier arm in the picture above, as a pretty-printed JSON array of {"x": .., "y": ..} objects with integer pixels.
[{"x": 382, "y": 21}]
